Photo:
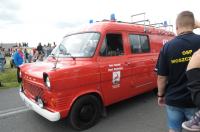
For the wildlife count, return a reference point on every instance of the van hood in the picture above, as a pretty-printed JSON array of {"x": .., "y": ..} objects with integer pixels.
[{"x": 37, "y": 69}]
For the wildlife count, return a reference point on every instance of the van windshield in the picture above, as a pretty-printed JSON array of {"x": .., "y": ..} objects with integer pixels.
[{"x": 77, "y": 45}]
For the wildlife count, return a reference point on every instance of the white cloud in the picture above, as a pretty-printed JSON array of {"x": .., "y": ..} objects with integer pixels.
[{"x": 45, "y": 21}]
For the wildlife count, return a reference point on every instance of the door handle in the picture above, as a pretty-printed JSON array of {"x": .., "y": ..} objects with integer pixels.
[{"x": 127, "y": 63}]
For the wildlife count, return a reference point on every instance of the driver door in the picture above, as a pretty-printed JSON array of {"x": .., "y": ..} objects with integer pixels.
[{"x": 114, "y": 69}]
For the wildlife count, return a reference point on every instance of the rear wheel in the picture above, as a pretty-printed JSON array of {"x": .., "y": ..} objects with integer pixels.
[{"x": 85, "y": 112}]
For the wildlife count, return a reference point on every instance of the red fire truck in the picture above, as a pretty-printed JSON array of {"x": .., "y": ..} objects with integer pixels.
[{"x": 104, "y": 63}]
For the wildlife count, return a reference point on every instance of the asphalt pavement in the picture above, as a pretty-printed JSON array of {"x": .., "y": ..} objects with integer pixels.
[
  {"x": 9, "y": 99},
  {"x": 138, "y": 114}
]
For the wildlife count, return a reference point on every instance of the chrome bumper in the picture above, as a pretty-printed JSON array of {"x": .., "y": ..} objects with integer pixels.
[{"x": 52, "y": 116}]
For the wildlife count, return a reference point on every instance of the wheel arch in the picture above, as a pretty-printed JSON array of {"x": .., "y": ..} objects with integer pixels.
[{"x": 94, "y": 93}]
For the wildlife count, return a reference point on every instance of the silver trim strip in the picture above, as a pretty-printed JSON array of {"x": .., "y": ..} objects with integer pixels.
[{"x": 143, "y": 84}]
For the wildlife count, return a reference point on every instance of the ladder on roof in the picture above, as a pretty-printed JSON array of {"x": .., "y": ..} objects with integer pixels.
[
  {"x": 144, "y": 20},
  {"x": 140, "y": 21}
]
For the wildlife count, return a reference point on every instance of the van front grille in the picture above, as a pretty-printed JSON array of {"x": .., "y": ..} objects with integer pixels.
[{"x": 33, "y": 89}]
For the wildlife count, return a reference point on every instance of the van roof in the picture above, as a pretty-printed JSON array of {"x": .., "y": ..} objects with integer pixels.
[{"x": 123, "y": 26}]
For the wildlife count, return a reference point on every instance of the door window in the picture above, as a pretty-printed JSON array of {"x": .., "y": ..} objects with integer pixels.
[
  {"x": 139, "y": 43},
  {"x": 112, "y": 45}
]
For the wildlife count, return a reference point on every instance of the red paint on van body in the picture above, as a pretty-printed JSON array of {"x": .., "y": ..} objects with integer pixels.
[{"x": 73, "y": 78}]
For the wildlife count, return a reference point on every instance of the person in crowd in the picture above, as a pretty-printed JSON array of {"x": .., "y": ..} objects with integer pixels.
[
  {"x": 40, "y": 48},
  {"x": 45, "y": 51},
  {"x": 2, "y": 60},
  {"x": 19, "y": 57},
  {"x": 171, "y": 66},
  {"x": 49, "y": 49},
  {"x": 12, "y": 63},
  {"x": 19, "y": 45},
  {"x": 54, "y": 45},
  {"x": 35, "y": 55},
  {"x": 193, "y": 75},
  {"x": 30, "y": 55},
  {"x": 40, "y": 57},
  {"x": 3, "y": 52},
  {"x": 26, "y": 54}
]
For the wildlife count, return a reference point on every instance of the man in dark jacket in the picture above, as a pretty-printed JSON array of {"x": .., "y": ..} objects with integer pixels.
[
  {"x": 40, "y": 48},
  {"x": 172, "y": 80},
  {"x": 193, "y": 75}
]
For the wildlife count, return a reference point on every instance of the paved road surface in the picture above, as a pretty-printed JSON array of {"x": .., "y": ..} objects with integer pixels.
[{"x": 138, "y": 114}]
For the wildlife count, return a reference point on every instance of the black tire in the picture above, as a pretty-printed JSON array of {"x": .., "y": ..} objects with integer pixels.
[{"x": 85, "y": 112}]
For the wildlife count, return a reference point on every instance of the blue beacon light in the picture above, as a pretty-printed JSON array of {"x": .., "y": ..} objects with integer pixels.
[
  {"x": 112, "y": 17},
  {"x": 91, "y": 21},
  {"x": 165, "y": 24}
]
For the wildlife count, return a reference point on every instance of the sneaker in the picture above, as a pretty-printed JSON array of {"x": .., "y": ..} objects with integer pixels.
[{"x": 193, "y": 124}]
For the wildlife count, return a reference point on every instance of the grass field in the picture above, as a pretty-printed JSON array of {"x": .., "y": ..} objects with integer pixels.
[{"x": 8, "y": 77}]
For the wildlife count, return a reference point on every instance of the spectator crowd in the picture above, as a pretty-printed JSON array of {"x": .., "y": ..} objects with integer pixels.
[{"x": 24, "y": 54}]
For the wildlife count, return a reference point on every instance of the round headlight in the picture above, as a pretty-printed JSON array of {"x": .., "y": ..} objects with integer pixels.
[{"x": 48, "y": 82}]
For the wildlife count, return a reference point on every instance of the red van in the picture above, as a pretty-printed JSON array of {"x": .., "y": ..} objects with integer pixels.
[{"x": 103, "y": 64}]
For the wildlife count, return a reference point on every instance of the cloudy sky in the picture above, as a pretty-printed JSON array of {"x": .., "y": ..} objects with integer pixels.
[{"x": 45, "y": 21}]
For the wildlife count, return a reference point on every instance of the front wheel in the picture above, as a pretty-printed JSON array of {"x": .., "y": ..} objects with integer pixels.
[{"x": 85, "y": 112}]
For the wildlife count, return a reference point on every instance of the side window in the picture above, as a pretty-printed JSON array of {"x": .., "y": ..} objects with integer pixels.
[
  {"x": 139, "y": 43},
  {"x": 112, "y": 45},
  {"x": 135, "y": 43},
  {"x": 144, "y": 44}
]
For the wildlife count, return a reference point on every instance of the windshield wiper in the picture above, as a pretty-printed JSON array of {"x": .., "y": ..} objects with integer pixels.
[
  {"x": 71, "y": 55},
  {"x": 53, "y": 56},
  {"x": 63, "y": 50}
]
